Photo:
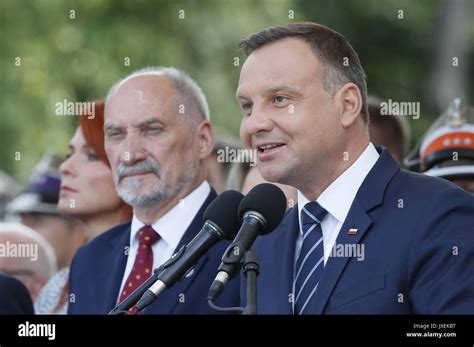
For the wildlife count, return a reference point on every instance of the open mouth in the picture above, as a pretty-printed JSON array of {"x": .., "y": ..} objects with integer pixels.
[
  {"x": 269, "y": 147},
  {"x": 268, "y": 151}
]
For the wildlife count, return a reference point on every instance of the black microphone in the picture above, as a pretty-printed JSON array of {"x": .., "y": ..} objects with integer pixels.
[
  {"x": 261, "y": 211},
  {"x": 222, "y": 222}
]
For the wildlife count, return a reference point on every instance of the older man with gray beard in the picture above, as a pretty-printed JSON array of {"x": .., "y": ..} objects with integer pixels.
[{"x": 157, "y": 134}]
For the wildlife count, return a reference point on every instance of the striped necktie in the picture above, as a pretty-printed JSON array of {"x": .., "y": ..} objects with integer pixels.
[{"x": 310, "y": 262}]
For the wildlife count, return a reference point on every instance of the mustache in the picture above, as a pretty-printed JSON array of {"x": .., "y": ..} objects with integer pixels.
[{"x": 125, "y": 169}]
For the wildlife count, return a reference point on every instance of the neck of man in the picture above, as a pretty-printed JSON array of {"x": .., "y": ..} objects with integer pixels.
[
  {"x": 352, "y": 150},
  {"x": 149, "y": 214}
]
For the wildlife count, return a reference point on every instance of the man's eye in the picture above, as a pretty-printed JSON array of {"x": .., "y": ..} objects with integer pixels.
[
  {"x": 113, "y": 134},
  {"x": 246, "y": 106},
  {"x": 152, "y": 129},
  {"x": 279, "y": 99}
]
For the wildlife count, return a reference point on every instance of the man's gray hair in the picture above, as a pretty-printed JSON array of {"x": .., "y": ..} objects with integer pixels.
[{"x": 191, "y": 95}]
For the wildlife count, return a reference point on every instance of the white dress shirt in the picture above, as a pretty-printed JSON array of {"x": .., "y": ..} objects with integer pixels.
[
  {"x": 337, "y": 199},
  {"x": 171, "y": 228}
]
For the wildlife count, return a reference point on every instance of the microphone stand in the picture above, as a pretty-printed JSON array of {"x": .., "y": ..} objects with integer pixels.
[
  {"x": 124, "y": 307},
  {"x": 251, "y": 269}
]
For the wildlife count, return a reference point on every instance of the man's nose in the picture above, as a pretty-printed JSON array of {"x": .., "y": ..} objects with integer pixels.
[
  {"x": 133, "y": 150},
  {"x": 259, "y": 121}
]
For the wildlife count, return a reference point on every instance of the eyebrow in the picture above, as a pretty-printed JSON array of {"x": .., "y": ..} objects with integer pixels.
[
  {"x": 283, "y": 88},
  {"x": 111, "y": 126},
  {"x": 274, "y": 90},
  {"x": 149, "y": 121},
  {"x": 240, "y": 96}
]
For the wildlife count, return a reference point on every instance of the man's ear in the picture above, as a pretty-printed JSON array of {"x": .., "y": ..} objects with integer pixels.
[
  {"x": 205, "y": 140},
  {"x": 349, "y": 100}
]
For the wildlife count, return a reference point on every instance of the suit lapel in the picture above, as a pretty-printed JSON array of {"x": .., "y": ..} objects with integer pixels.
[
  {"x": 112, "y": 267},
  {"x": 357, "y": 218},
  {"x": 167, "y": 301},
  {"x": 284, "y": 254},
  {"x": 369, "y": 196}
]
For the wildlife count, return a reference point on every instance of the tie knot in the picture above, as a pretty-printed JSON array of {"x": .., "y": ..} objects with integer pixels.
[
  {"x": 147, "y": 236},
  {"x": 312, "y": 213}
]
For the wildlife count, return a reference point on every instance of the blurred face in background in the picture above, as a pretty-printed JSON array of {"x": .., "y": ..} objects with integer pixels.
[
  {"x": 34, "y": 271},
  {"x": 385, "y": 136},
  {"x": 23, "y": 272},
  {"x": 466, "y": 183},
  {"x": 87, "y": 186},
  {"x": 57, "y": 230},
  {"x": 254, "y": 178}
]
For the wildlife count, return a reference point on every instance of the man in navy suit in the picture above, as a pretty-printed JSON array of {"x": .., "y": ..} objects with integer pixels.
[
  {"x": 157, "y": 134},
  {"x": 366, "y": 237}
]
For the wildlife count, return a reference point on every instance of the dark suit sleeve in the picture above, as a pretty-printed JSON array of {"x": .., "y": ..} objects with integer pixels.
[
  {"x": 14, "y": 298},
  {"x": 441, "y": 260},
  {"x": 72, "y": 284}
]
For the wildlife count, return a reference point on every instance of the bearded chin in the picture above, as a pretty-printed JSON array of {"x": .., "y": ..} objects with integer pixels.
[{"x": 134, "y": 192}]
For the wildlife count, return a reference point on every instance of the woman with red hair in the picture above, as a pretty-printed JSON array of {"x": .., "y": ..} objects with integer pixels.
[
  {"x": 87, "y": 187},
  {"x": 88, "y": 194}
]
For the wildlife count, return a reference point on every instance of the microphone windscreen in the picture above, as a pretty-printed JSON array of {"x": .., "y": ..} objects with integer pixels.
[
  {"x": 268, "y": 200},
  {"x": 222, "y": 211}
]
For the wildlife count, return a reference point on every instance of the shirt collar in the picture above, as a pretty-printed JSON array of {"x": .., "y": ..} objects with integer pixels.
[
  {"x": 172, "y": 225},
  {"x": 337, "y": 198}
]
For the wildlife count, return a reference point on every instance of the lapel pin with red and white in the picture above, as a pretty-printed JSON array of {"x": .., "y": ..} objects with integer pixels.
[{"x": 352, "y": 231}]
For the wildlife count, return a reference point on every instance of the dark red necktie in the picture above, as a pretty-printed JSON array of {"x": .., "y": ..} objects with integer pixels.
[{"x": 143, "y": 265}]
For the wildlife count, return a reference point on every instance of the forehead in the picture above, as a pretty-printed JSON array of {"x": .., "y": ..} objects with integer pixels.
[
  {"x": 286, "y": 62},
  {"x": 12, "y": 235},
  {"x": 78, "y": 137},
  {"x": 142, "y": 97}
]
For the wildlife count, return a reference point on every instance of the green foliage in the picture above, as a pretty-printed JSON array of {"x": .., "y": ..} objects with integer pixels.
[{"x": 79, "y": 59}]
